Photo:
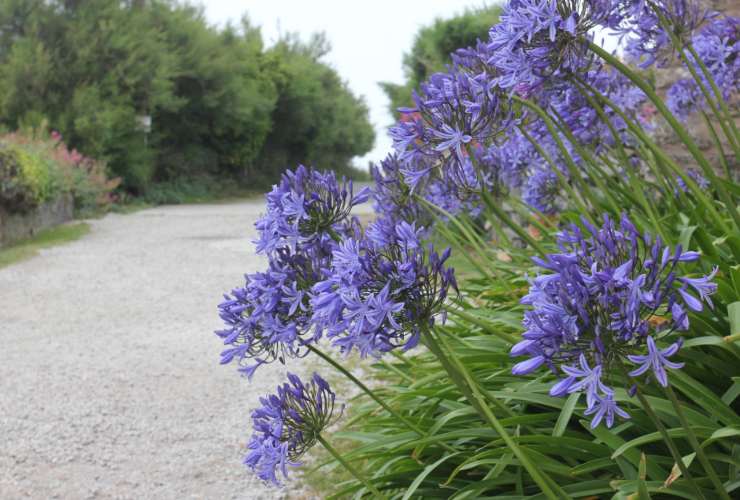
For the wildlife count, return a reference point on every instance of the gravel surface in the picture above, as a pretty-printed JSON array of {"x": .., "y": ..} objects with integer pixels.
[{"x": 110, "y": 385}]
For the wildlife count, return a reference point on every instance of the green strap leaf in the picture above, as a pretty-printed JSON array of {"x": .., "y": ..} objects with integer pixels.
[{"x": 429, "y": 468}]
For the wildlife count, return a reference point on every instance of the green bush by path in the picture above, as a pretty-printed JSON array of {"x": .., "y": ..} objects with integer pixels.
[
  {"x": 221, "y": 104},
  {"x": 36, "y": 167},
  {"x": 432, "y": 48}
]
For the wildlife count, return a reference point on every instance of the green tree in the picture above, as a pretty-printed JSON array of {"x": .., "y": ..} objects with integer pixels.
[
  {"x": 433, "y": 46},
  {"x": 220, "y": 103},
  {"x": 316, "y": 120}
]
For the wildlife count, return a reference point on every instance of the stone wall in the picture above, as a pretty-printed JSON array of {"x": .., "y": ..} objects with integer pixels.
[
  {"x": 696, "y": 125},
  {"x": 15, "y": 227}
]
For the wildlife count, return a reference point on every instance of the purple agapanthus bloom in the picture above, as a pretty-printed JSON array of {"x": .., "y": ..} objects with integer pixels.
[
  {"x": 656, "y": 360},
  {"x": 287, "y": 425},
  {"x": 611, "y": 293},
  {"x": 538, "y": 41},
  {"x": 541, "y": 190},
  {"x": 392, "y": 193},
  {"x": 646, "y": 38},
  {"x": 269, "y": 317},
  {"x": 306, "y": 206},
  {"x": 382, "y": 295}
]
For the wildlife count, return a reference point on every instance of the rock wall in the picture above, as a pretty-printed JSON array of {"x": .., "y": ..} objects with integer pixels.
[
  {"x": 697, "y": 125},
  {"x": 15, "y": 227}
]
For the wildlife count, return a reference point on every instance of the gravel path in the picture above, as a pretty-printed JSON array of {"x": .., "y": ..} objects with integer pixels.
[{"x": 109, "y": 379}]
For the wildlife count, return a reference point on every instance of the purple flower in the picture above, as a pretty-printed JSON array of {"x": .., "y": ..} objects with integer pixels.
[
  {"x": 541, "y": 190},
  {"x": 383, "y": 303},
  {"x": 703, "y": 286},
  {"x": 304, "y": 208},
  {"x": 656, "y": 360},
  {"x": 287, "y": 425},
  {"x": 605, "y": 407},
  {"x": 269, "y": 317},
  {"x": 596, "y": 307}
]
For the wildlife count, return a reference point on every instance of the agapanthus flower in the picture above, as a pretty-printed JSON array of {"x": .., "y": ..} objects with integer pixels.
[
  {"x": 684, "y": 98},
  {"x": 393, "y": 195},
  {"x": 287, "y": 425},
  {"x": 541, "y": 189},
  {"x": 681, "y": 187},
  {"x": 646, "y": 39},
  {"x": 612, "y": 293},
  {"x": 452, "y": 110},
  {"x": 538, "y": 41},
  {"x": 304, "y": 207},
  {"x": 269, "y": 318},
  {"x": 382, "y": 290}
]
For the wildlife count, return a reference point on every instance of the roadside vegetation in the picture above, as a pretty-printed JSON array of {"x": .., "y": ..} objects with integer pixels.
[
  {"x": 175, "y": 108},
  {"x": 47, "y": 238}
]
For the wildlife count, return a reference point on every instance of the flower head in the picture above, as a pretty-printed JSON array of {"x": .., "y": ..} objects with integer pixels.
[
  {"x": 287, "y": 425},
  {"x": 392, "y": 290},
  {"x": 269, "y": 318},
  {"x": 611, "y": 293},
  {"x": 304, "y": 208}
]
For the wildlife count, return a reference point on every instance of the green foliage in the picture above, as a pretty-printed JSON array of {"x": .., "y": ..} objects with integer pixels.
[
  {"x": 317, "y": 120},
  {"x": 36, "y": 168},
  {"x": 44, "y": 239},
  {"x": 27, "y": 178},
  {"x": 215, "y": 95},
  {"x": 433, "y": 46}
]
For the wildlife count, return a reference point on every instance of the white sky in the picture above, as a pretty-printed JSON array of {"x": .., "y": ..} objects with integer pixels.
[{"x": 368, "y": 39}]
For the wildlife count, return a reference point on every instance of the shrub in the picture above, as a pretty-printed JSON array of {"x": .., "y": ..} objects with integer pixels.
[
  {"x": 17, "y": 192},
  {"x": 36, "y": 167},
  {"x": 220, "y": 103}
]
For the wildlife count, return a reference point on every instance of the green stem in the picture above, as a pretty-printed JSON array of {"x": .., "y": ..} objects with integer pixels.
[
  {"x": 695, "y": 444},
  {"x": 675, "y": 125},
  {"x": 563, "y": 181},
  {"x": 575, "y": 173},
  {"x": 639, "y": 193},
  {"x": 351, "y": 469},
  {"x": 662, "y": 157},
  {"x": 470, "y": 390},
  {"x": 720, "y": 99},
  {"x": 718, "y": 144},
  {"x": 504, "y": 217},
  {"x": 666, "y": 439},
  {"x": 368, "y": 391}
]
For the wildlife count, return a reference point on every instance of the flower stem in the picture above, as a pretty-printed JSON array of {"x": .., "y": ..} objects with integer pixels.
[
  {"x": 370, "y": 393},
  {"x": 675, "y": 125},
  {"x": 662, "y": 157},
  {"x": 469, "y": 388},
  {"x": 668, "y": 441},
  {"x": 347, "y": 466},
  {"x": 695, "y": 444}
]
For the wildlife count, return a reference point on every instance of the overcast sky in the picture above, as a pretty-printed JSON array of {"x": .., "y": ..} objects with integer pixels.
[{"x": 368, "y": 39}]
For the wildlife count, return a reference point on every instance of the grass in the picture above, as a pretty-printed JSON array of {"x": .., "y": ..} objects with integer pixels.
[{"x": 25, "y": 249}]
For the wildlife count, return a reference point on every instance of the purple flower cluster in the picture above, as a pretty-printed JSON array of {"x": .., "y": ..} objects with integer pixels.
[
  {"x": 646, "y": 36},
  {"x": 463, "y": 135},
  {"x": 287, "y": 425},
  {"x": 269, "y": 318},
  {"x": 718, "y": 48},
  {"x": 610, "y": 294},
  {"x": 373, "y": 291},
  {"x": 382, "y": 290},
  {"x": 538, "y": 41},
  {"x": 306, "y": 207}
]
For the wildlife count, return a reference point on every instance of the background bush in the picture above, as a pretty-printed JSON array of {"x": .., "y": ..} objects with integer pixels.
[
  {"x": 432, "y": 47},
  {"x": 222, "y": 105},
  {"x": 36, "y": 167}
]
